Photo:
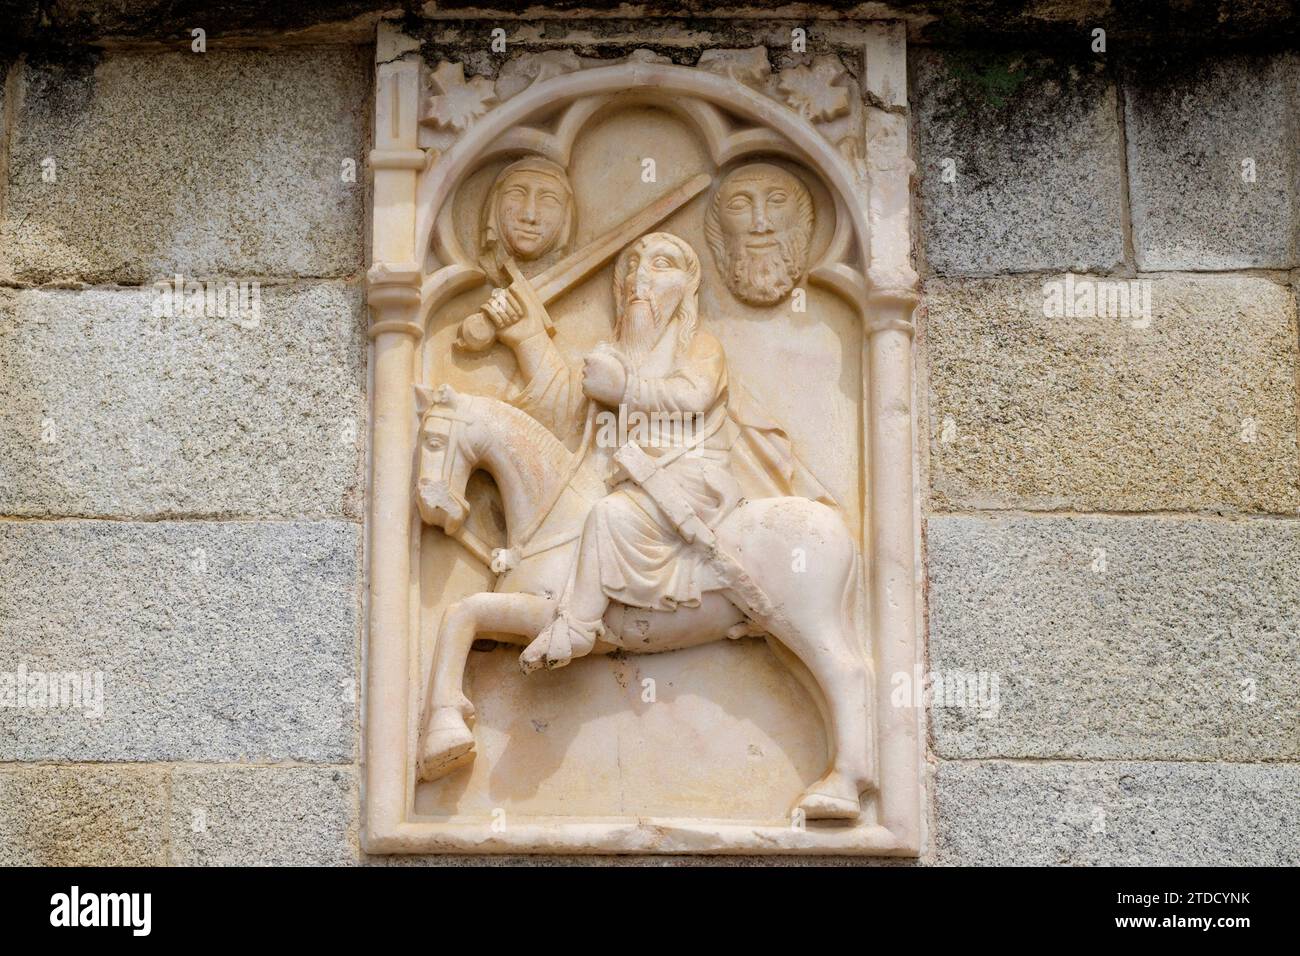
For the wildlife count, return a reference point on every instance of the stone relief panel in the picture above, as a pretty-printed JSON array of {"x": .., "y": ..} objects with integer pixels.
[{"x": 635, "y": 506}]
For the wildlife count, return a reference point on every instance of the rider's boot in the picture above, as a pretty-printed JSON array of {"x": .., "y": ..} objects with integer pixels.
[{"x": 561, "y": 641}]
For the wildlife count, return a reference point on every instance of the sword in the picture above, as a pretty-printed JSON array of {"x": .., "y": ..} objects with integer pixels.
[{"x": 477, "y": 331}]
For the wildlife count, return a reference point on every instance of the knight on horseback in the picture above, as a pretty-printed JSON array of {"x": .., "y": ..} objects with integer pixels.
[
  {"x": 662, "y": 365},
  {"x": 686, "y": 540}
]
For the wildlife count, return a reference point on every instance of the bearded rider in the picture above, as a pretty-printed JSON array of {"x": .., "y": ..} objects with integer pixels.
[{"x": 662, "y": 365}]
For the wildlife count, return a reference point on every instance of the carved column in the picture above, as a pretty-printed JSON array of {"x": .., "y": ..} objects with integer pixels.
[
  {"x": 393, "y": 286},
  {"x": 892, "y": 476}
]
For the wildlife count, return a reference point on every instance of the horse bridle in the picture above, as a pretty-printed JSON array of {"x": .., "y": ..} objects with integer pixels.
[
  {"x": 522, "y": 548},
  {"x": 472, "y": 542}
]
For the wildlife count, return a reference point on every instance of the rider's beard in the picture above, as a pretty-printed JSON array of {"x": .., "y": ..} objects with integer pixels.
[
  {"x": 765, "y": 276},
  {"x": 639, "y": 331}
]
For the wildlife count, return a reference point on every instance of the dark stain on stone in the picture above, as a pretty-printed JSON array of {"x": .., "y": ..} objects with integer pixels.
[{"x": 64, "y": 24}]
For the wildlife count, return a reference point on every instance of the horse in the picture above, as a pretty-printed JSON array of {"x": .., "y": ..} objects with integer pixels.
[{"x": 546, "y": 492}]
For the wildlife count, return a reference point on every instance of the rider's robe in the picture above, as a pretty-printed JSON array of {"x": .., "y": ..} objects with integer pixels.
[
  {"x": 675, "y": 406},
  {"x": 644, "y": 561}
]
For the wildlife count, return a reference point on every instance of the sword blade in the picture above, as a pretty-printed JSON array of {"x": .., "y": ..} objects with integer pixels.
[{"x": 574, "y": 268}]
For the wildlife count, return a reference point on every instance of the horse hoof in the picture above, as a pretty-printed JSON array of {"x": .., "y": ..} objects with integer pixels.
[
  {"x": 823, "y": 806},
  {"x": 441, "y": 757},
  {"x": 830, "y": 799},
  {"x": 448, "y": 746}
]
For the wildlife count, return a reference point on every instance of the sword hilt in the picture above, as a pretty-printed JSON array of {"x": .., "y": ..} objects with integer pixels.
[{"x": 478, "y": 332}]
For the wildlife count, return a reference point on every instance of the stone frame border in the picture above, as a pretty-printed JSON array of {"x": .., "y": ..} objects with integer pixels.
[{"x": 410, "y": 183}]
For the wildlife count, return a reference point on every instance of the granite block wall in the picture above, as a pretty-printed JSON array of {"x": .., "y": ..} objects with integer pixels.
[
  {"x": 1107, "y": 402},
  {"x": 1108, "y": 357},
  {"x": 182, "y": 493}
]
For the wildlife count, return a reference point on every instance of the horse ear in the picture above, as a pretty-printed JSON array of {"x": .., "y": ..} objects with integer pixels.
[{"x": 425, "y": 397}]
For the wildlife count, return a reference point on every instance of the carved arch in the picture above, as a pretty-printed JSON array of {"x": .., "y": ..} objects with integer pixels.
[{"x": 702, "y": 99}]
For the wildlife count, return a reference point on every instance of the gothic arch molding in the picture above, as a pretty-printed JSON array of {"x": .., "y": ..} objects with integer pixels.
[{"x": 585, "y": 95}]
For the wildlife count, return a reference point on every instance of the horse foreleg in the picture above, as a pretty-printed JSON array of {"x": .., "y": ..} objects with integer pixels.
[{"x": 447, "y": 743}]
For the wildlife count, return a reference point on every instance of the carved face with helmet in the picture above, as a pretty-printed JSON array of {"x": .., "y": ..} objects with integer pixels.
[{"x": 529, "y": 212}]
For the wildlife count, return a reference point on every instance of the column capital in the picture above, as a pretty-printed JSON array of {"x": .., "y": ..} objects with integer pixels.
[
  {"x": 393, "y": 294},
  {"x": 890, "y": 310}
]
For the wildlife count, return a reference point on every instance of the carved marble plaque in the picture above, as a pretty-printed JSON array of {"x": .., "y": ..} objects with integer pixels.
[{"x": 642, "y": 519}]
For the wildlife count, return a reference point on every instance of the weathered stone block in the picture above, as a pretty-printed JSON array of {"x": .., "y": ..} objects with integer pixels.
[
  {"x": 6, "y": 65},
  {"x": 1191, "y": 408},
  {"x": 227, "y": 163},
  {"x": 1108, "y": 814},
  {"x": 1020, "y": 163},
  {"x": 215, "y": 640},
  {"x": 633, "y": 859},
  {"x": 263, "y": 816},
  {"x": 1145, "y": 638},
  {"x": 1211, "y": 164},
  {"x": 112, "y": 410},
  {"x": 82, "y": 816}
]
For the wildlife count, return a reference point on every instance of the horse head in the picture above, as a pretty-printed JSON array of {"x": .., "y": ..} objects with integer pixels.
[
  {"x": 462, "y": 433},
  {"x": 446, "y": 455}
]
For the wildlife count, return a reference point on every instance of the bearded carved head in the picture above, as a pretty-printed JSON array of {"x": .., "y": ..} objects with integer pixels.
[
  {"x": 656, "y": 281},
  {"x": 528, "y": 213},
  {"x": 759, "y": 226}
]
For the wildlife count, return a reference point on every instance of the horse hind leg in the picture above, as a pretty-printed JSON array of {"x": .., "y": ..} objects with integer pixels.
[
  {"x": 842, "y": 679},
  {"x": 808, "y": 682},
  {"x": 820, "y": 644},
  {"x": 446, "y": 741}
]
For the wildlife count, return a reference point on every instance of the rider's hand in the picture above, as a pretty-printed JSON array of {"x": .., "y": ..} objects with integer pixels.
[
  {"x": 603, "y": 377},
  {"x": 507, "y": 311},
  {"x": 502, "y": 309}
]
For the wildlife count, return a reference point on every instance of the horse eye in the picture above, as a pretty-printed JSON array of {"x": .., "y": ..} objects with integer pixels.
[{"x": 435, "y": 440}]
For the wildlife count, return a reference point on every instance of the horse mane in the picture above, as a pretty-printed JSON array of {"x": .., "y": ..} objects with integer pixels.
[{"x": 513, "y": 424}]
